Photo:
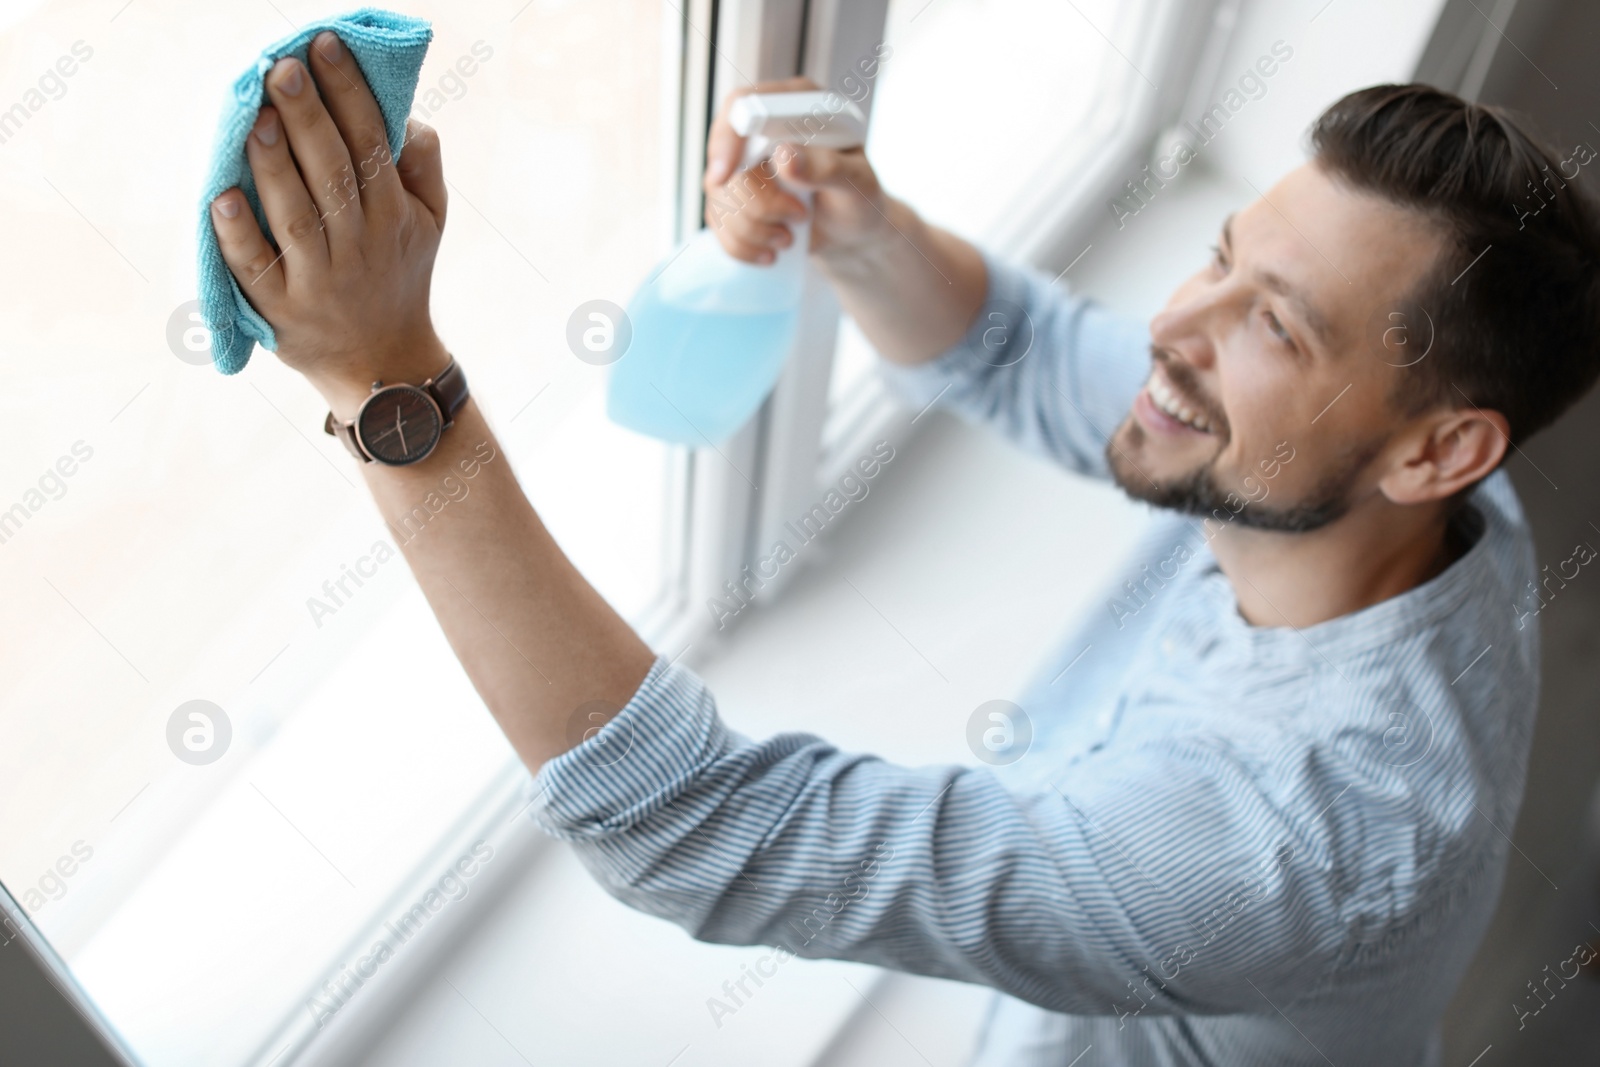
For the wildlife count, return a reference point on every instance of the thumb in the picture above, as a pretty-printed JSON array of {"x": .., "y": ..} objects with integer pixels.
[{"x": 421, "y": 169}]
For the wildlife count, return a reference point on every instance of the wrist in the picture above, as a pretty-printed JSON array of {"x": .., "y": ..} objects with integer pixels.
[{"x": 347, "y": 385}]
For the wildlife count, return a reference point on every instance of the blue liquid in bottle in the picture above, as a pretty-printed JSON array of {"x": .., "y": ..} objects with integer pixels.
[{"x": 710, "y": 336}]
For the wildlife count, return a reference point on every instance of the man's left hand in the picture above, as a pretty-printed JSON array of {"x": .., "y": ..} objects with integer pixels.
[{"x": 346, "y": 288}]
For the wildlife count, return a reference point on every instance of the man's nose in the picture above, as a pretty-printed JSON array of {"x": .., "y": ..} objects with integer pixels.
[{"x": 1189, "y": 327}]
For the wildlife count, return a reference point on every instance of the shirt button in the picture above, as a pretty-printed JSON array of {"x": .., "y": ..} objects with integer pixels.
[
  {"x": 1168, "y": 649},
  {"x": 1103, "y": 720}
]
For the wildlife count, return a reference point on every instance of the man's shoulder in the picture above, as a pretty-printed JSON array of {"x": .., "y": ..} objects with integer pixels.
[
  {"x": 1463, "y": 611},
  {"x": 1450, "y": 664},
  {"x": 1463, "y": 641}
]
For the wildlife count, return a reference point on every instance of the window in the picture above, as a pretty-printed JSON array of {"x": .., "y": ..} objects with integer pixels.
[
  {"x": 175, "y": 536},
  {"x": 168, "y": 536},
  {"x": 981, "y": 106}
]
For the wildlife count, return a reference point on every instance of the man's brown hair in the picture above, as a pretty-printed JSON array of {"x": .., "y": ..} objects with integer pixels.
[{"x": 1518, "y": 332}]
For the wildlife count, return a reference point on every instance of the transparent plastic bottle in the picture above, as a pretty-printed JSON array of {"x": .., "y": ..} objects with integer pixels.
[{"x": 711, "y": 333}]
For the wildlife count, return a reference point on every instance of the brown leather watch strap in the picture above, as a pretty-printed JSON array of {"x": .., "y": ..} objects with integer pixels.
[
  {"x": 345, "y": 432},
  {"x": 449, "y": 390}
]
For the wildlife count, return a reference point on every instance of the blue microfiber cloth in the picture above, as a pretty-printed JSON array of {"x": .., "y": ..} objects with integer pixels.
[{"x": 389, "y": 49}]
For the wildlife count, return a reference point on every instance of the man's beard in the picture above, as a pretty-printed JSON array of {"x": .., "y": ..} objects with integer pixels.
[{"x": 1198, "y": 492}]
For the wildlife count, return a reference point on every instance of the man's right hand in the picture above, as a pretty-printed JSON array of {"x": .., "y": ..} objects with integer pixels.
[
  {"x": 913, "y": 289},
  {"x": 750, "y": 212}
]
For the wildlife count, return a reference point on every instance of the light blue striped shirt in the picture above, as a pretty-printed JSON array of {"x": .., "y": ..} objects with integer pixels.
[{"x": 1227, "y": 845}]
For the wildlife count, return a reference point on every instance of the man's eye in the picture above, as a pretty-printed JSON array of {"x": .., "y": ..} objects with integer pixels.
[
  {"x": 1217, "y": 259},
  {"x": 1277, "y": 329}
]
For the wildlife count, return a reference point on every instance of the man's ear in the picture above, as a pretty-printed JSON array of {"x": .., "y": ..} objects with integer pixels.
[{"x": 1445, "y": 452}]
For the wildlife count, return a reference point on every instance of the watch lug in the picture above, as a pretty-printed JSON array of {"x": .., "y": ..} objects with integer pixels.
[{"x": 346, "y": 433}]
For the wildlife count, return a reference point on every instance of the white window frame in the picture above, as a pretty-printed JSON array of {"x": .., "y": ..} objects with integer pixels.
[
  {"x": 800, "y": 441},
  {"x": 734, "y": 494}
]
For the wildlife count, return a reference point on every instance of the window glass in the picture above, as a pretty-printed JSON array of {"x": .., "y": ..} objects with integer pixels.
[
  {"x": 975, "y": 100},
  {"x": 171, "y": 536}
]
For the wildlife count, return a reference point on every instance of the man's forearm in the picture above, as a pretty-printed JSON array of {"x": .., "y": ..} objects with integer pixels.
[
  {"x": 348, "y": 302},
  {"x": 537, "y": 640},
  {"x": 914, "y": 291},
  {"x": 542, "y": 647}
]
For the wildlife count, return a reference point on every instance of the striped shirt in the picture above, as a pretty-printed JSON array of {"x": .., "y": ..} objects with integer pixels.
[{"x": 1225, "y": 845}]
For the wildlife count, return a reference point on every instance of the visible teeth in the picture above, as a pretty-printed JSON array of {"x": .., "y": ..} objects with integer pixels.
[{"x": 1167, "y": 402}]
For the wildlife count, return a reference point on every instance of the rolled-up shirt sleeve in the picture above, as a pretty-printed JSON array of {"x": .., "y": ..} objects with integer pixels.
[
  {"x": 1171, "y": 871},
  {"x": 1049, "y": 369}
]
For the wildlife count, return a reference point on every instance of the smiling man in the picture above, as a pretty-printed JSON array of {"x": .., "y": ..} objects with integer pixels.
[{"x": 1264, "y": 819}]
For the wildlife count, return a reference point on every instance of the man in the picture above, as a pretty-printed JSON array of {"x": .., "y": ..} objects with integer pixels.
[{"x": 1265, "y": 821}]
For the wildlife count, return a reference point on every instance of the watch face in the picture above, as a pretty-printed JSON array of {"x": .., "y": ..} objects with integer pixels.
[{"x": 399, "y": 425}]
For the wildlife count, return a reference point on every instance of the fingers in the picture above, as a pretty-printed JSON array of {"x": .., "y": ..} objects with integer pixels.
[
  {"x": 320, "y": 152},
  {"x": 749, "y": 210},
  {"x": 355, "y": 114},
  {"x": 765, "y": 234},
  {"x": 817, "y": 168},
  {"x": 755, "y": 242},
  {"x": 748, "y": 251},
  {"x": 751, "y": 214},
  {"x": 295, "y": 221},
  {"x": 724, "y": 147},
  {"x": 421, "y": 169},
  {"x": 255, "y": 266},
  {"x": 754, "y": 229},
  {"x": 753, "y": 196}
]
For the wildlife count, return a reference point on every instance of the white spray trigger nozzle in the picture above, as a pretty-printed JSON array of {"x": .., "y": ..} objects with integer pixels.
[{"x": 806, "y": 119}]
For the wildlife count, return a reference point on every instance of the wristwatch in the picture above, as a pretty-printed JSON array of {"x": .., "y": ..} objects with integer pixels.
[{"x": 400, "y": 424}]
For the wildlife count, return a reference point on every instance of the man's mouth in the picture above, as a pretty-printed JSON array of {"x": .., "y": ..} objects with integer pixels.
[{"x": 1169, "y": 403}]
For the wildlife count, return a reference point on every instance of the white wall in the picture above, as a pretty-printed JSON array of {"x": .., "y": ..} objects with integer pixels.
[{"x": 1348, "y": 45}]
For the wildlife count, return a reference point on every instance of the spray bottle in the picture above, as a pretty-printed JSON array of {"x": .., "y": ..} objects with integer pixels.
[{"x": 710, "y": 332}]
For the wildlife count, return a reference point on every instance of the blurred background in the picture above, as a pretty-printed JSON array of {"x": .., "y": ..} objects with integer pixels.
[{"x": 168, "y": 535}]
